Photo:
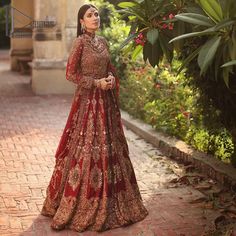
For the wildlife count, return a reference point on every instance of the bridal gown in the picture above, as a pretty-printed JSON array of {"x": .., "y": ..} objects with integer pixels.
[{"x": 93, "y": 184}]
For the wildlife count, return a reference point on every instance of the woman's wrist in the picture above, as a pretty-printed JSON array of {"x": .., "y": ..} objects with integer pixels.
[{"x": 97, "y": 83}]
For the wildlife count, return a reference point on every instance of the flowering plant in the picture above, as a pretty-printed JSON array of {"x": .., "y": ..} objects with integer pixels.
[{"x": 153, "y": 25}]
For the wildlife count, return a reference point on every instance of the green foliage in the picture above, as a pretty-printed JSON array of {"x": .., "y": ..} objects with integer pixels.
[
  {"x": 222, "y": 145},
  {"x": 163, "y": 100},
  {"x": 155, "y": 21},
  {"x": 204, "y": 37},
  {"x": 220, "y": 32},
  {"x": 187, "y": 19},
  {"x": 170, "y": 102},
  {"x": 139, "y": 81},
  {"x": 175, "y": 104},
  {"x": 217, "y": 142},
  {"x": 199, "y": 138}
]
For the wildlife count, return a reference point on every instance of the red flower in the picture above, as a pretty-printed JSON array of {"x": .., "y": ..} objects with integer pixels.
[
  {"x": 164, "y": 26},
  {"x": 171, "y": 16},
  {"x": 140, "y": 35},
  {"x": 140, "y": 40},
  {"x": 171, "y": 26},
  {"x": 157, "y": 86}
]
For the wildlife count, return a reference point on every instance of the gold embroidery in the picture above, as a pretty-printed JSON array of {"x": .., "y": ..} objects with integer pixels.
[
  {"x": 74, "y": 177},
  {"x": 93, "y": 185},
  {"x": 96, "y": 177}
]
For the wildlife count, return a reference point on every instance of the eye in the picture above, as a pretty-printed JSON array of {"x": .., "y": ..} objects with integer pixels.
[{"x": 96, "y": 14}]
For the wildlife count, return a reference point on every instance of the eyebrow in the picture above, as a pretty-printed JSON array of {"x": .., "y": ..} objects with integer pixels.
[{"x": 92, "y": 12}]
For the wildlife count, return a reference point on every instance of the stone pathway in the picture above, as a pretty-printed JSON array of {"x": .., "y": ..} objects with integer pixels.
[{"x": 30, "y": 128}]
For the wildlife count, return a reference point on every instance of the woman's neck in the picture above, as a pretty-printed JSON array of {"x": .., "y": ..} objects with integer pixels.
[{"x": 90, "y": 33}]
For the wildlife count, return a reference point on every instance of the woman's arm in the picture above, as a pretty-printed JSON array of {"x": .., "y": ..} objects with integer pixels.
[
  {"x": 111, "y": 70},
  {"x": 72, "y": 72}
]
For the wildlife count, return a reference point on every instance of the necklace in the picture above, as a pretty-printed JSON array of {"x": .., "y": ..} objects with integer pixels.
[
  {"x": 94, "y": 42},
  {"x": 91, "y": 34}
]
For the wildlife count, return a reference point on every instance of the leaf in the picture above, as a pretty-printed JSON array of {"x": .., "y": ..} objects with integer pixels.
[
  {"x": 136, "y": 51},
  {"x": 148, "y": 7},
  {"x": 166, "y": 48},
  {"x": 195, "y": 9},
  {"x": 130, "y": 38},
  {"x": 152, "y": 35},
  {"x": 189, "y": 168},
  {"x": 194, "y": 18},
  {"x": 157, "y": 13},
  {"x": 121, "y": 17},
  {"x": 134, "y": 13},
  {"x": 126, "y": 4},
  {"x": 189, "y": 35},
  {"x": 230, "y": 63},
  {"x": 226, "y": 76},
  {"x": 184, "y": 180},
  {"x": 217, "y": 62},
  {"x": 212, "y": 30},
  {"x": 202, "y": 187},
  {"x": 175, "y": 180},
  {"x": 220, "y": 220},
  {"x": 212, "y": 9},
  {"x": 179, "y": 29},
  {"x": 188, "y": 59},
  {"x": 207, "y": 53},
  {"x": 133, "y": 27},
  {"x": 198, "y": 200},
  {"x": 127, "y": 49},
  {"x": 152, "y": 52},
  {"x": 224, "y": 24}
]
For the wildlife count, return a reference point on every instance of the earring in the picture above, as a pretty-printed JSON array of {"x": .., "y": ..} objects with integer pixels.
[{"x": 83, "y": 28}]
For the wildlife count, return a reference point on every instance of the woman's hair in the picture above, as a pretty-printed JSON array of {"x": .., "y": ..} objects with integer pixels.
[{"x": 81, "y": 13}]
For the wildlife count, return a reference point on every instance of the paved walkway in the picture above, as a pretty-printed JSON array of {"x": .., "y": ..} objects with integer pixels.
[{"x": 30, "y": 128}]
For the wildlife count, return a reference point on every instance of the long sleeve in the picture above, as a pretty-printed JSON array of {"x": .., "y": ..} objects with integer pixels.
[
  {"x": 112, "y": 70},
  {"x": 73, "y": 66}
]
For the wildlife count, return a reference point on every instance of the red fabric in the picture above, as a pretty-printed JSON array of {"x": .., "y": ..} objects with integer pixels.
[
  {"x": 93, "y": 185},
  {"x": 112, "y": 68}
]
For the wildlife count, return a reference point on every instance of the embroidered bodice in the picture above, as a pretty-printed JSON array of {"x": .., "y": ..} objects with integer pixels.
[{"x": 89, "y": 59}]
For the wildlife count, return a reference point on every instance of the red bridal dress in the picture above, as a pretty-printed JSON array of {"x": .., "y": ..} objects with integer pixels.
[{"x": 93, "y": 185}]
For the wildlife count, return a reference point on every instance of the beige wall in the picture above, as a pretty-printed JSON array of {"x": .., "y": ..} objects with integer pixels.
[
  {"x": 51, "y": 46},
  {"x": 21, "y": 46}
]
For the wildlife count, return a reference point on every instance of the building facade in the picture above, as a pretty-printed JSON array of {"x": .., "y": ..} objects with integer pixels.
[{"x": 44, "y": 30}]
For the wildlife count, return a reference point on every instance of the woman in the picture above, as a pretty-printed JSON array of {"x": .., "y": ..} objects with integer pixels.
[{"x": 93, "y": 185}]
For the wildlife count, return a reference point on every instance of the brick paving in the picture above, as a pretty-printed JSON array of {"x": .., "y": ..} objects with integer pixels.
[{"x": 30, "y": 128}]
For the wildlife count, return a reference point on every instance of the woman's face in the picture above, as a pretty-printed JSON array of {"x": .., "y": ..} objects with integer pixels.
[{"x": 91, "y": 19}]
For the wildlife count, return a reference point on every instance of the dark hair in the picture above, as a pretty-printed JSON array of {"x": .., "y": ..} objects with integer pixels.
[{"x": 81, "y": 13}]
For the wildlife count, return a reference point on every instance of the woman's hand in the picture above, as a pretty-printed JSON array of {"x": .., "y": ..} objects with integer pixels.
[
  {"x": 105, "y": 83},
  {"x": 113, "y": 81}
]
